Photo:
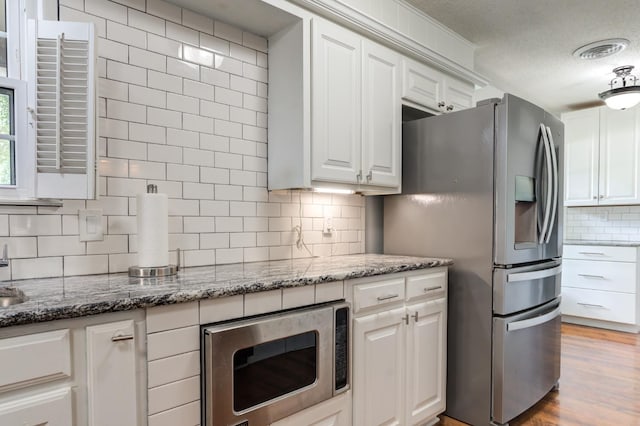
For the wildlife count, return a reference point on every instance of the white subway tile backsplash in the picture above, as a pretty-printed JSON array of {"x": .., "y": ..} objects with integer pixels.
[
  {"x": 182, "y": 34},
  {"x": 125, "y": 34},
  {"x": 144, "y": 21},
  {"x": 107, "y": 9},
  {"x": 183, "y": 105},
  {"x": 197, "y": 21},
  {"x": 164, "y": 46},
  {"x": 148, "y": 59}
]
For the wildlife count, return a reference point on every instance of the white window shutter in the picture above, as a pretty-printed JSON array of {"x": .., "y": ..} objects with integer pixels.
[{"x": 63, "y": 95}]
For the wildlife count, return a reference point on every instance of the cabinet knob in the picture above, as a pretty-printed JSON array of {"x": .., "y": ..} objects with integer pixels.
[
  {"x": 406, "y": 319},
  {"x": 601, "y": 197},
  {"x": 415, "y": 316},
  {"x": 440, "y": 104},
  {"x": 595, "y": 198},
  {"x": 449, "y": 107},
  {"x": 369, "y": 176},
  {"x": 359, "y": 176}
]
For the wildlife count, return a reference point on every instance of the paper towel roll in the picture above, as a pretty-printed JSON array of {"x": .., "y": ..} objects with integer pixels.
[{"x": 153, "y": 230}]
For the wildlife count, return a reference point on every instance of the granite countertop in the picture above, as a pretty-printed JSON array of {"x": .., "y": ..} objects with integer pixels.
[
  {"x": 602, "y": 243},
  {"x": 69, "y": 297}
]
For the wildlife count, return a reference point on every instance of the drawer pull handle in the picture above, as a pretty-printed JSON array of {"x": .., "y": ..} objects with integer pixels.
[
  {"x": 428, "y": 289},
  {"x": 121, "y": 337},
  {"x": 593, "y": 253},
  {"x": 592, "y": 276},
  {"x": 387, "y": 297},
  {"x": 590, "y": 305}
]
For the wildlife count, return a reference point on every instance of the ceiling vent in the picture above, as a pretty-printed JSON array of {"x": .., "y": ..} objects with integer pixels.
[{"x": 601, "y": 49}]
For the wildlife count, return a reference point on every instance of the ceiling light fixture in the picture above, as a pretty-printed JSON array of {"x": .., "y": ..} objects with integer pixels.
[
  {"x": 624, "y": 92},
  {"x": 601, "y": 49}
]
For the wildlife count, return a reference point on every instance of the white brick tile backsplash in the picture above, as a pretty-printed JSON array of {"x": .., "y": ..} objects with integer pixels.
[
  {"x": 162, "y": 81},
  {"x": 30, "y": 225},
  {"x": 164, "y": 10},
  {"x": 183, "y": 173},
  {"x": 164, "y": 46},
  {"x": 184, "y": 138},
  {"x": 144, "y": 21},
  {"x": 214, "y": 44},
  {"x": 41, "y": 267},
  {"x": 120, "y": 148},
  {"x": 147, "y": 133},
  {"x": 182, "y": 34},
  {"x": 214, "y": 175},
  {"x": 227, "y": 32},
  {"x": 163, "y": 117},
  {"x": 68, "y": 14},
  {"x": 110, "y": 49},
  {"x": 107, "y": 9},
  {"x": 198, "y": 56},
  {"x": 183, "y": 69},
  {"x": 125, "y": 34},
  {"x": 126, "y": 73},
  {"x": 145, "y": 58},
  {"x": 214, "y": 77},
  {"x": 255, "y": 42},
  {"x": 183, "y": 105}
]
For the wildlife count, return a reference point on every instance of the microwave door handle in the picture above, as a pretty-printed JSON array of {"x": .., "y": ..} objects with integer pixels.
[
  {"x": 548, "y": 195},
  {"x": 533, "y": 322},
  {"x": 554, "y": 202}
]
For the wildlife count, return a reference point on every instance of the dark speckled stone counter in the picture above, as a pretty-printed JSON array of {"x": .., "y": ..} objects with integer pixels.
[
  {"x": 59, "y": 298},
  {"x": 602, "y": 243}
]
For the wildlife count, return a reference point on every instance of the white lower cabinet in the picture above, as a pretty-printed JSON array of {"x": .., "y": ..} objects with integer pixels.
[
  {"x": 87, "y": 371},
  {"x": 399, "y": 348},
  {"x": 333, "y": 412}
]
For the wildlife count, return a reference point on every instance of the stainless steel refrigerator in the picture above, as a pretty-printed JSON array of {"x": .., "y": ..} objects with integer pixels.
[{"x": 484, "y": 187}]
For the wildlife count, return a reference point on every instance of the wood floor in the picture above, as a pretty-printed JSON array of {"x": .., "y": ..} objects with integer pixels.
[{"x": 599, "y": 383}]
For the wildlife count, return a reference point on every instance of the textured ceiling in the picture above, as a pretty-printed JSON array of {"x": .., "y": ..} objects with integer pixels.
[{"x": 525, "y": 46}]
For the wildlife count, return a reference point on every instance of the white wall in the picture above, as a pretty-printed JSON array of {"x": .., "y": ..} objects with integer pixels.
[
  {"x": 182, "y": 104},
  {"x": 616, "y": 223}
]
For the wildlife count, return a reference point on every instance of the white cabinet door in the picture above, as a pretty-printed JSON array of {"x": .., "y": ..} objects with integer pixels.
[
  {"x": 51, "y": 408},
  {"x": 333, "y": 412},
  {"x": 421, "y": 84},
  {"x": 381, "y": 116},
  {"x": 379, "y": 369},
  {"x": 581, "y": 130},
  {"x": 458, "y": 95},
  {"x": 619, "y": 156},
  {"x": 336, "y": 103},
  {"x": 111, "y": 374},
  {"x": 426, "y": 361}
]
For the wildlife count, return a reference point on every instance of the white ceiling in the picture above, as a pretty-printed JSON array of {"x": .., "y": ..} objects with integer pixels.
[{"x": 525, "y": 46}]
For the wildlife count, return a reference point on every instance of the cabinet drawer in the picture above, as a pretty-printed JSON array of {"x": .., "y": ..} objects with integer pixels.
[
  {"x": 427, "y": 286},
  {"x": 602, "y": 305},
  {"x": 378, "y": 293},
  {"x": 34, "y": 358},
  {"x": 611, "y": 253},
  {"x": 610, "y": 276}
]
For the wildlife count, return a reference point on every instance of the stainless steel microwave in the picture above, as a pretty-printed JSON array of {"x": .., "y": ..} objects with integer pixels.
[{"x": 259, "y": 370}]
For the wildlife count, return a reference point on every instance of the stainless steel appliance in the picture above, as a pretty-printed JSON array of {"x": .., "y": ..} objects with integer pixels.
[
  {"x": 484, "y": 187},
  {"x": 259, "y": 370}
]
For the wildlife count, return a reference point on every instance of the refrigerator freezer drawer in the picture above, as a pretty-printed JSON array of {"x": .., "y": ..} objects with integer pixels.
[
  {"x": 601, "y": 305},
  {"x": 517, "y": 289},
  {"x": 526, "y": 359}
]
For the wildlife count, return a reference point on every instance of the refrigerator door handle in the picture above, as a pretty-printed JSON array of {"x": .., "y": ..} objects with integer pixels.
[
  {"x": 534, "y": 275},
  {"x": 533, "y": 322},
  {"x": 549, "y": 195},
  {"x": 554, "y": 203}
]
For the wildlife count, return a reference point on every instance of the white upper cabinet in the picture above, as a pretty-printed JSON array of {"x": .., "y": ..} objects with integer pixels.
[
  {"x": 337, "y": 104},
  {"x": 431, "y": 89},
  {"x": 602, "y": 157}
]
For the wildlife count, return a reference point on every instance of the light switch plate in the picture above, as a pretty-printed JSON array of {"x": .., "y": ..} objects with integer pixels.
[{"x": 90, "y": 224}]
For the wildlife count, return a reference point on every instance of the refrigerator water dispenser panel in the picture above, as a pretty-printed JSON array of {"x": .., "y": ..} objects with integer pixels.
[{"x": 526, "y": 213}]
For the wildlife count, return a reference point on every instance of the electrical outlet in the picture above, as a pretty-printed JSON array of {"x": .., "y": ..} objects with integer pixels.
[
  {"x": 90, "y": 225},
  {"x": 327, "y": 227}
]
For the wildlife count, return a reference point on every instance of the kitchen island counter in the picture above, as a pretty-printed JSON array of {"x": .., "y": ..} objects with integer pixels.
[{"x": 70, "y": 297}]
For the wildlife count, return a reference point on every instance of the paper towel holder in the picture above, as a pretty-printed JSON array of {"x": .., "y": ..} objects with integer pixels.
[{"x": 155, "y": 271}]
